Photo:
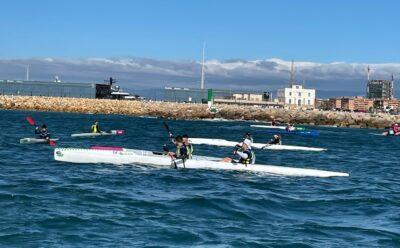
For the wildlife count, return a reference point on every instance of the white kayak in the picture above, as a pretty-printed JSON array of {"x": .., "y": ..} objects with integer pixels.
[
  {"x": 34, "y": 140},
  {"x": 269, "y": 126},
  {"x": 278, "y": 127},
  {"x": 130, "y": 156},
  {"x": 112, "y": 132},
  {"x": 222, "y": 142}
]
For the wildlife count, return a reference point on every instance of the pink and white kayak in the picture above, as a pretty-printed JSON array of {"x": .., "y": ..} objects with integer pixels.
[
  {"x": 120, "y": 156},
  {"x": 112, "y": 132}
]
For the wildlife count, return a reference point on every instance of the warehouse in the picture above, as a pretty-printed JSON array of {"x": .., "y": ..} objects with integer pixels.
[
  {"x": 43, "y": 88},
  {"x": 61, "y": 89}
]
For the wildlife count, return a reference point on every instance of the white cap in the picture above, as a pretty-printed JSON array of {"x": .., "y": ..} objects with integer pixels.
[{"x": 247, "y": 142}]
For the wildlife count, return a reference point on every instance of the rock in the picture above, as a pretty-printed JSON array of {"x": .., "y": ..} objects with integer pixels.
[{"x": 196, "y": 111}]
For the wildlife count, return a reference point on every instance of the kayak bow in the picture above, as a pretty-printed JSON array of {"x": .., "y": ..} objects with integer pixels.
[{"x": 34, "y": 140}]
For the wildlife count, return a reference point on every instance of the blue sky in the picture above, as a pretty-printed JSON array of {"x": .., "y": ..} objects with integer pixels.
[{"x": 321, "y": 31}]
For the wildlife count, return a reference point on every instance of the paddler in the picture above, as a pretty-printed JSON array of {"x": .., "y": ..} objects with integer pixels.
[
  {"x": 181, "y": 150},
  {"x": 243, "y": 150},
  {"x": 95, "y": 128},
  {"x": 43, "y": 134},
  {"x": 189, "y": 146},
  {"x": 395, "y": 128},
  {"x": 276, "y": 140},
  {"x": 290, "y": 128},
  {"x": 246, "y": 155},
  {"x": 248, "y": 136}
]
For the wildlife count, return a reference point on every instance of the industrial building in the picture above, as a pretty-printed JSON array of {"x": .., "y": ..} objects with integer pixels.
[
  {"x": 380, "y": 89},
  {"x": 46, "y": 88},
  {"x": 62, "y": 89},
  {"x": 190, "y": 95}
]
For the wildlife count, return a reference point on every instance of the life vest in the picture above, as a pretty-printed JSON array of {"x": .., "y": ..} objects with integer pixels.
[
  {"x": 189, "y": 150},
  {"x": 95, "y": 128},
  {"x": 182, "y": 152},
  {"x": 43, "y": 134},
  {"x": 249, "y": 159},
  {"x": 275, "y": 141}
]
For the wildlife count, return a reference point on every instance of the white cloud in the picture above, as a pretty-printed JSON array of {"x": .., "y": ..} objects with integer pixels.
[{"x": 268, "y": 74}]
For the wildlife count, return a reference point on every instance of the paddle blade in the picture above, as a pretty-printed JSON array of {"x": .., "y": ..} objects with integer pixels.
[
  {"x": 52, "y": 143},
  {"x": 30, "y": 120},
  {"x": 166, "y": 127}
]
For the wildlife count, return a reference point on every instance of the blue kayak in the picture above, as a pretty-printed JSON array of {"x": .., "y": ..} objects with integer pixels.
[{"x": 310, "y": 133}]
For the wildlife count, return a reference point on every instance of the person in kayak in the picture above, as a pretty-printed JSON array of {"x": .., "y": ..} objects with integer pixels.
[
  {"x": 43, "y": 134},
  {"x": 290, "y": 128},
  {"x": 181, "y": 149},
  {"x": 244, "y": 152},
  {"x": 95, "y": 128},
  {"x": 248, "y": 136},
  {"x": 395, "y": 128},
  {"x": 189, "y": 146},
  {"x": 276, "y": 140},
  {"x": 392, "y": 130},
  {"x": 246, "y": 155}
]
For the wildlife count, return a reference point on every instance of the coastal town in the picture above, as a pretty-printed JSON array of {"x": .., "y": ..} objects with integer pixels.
[{"x": 293, "y": 103}]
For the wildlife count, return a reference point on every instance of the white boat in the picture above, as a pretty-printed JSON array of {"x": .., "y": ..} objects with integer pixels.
[
  {"x": 130, "y": 156},
  {"x": 34, "y": 140},
  {"x": 112, "y": 132},
  {"x": 222, "y": 142}
]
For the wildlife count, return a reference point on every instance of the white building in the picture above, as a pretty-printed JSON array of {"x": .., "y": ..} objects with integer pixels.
[{"x": 296, "y": 95}]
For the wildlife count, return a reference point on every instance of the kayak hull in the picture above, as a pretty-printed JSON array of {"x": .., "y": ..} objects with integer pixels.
[
  {"x": 34, "y": 140},
  {"x": 275, "y": 127},
  {"x": 131, "y": 156},
  {"x": 222, "y": 142},
  {"x": 309, "y": 133},
  {"x": 112, "y": 132}
]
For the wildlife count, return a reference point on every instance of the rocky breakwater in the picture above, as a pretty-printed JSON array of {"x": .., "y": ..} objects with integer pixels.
[
  {"x": 195, "y": 111},
  {"x": 105, "y": 106},
  {"x": 313, "y": 117}
]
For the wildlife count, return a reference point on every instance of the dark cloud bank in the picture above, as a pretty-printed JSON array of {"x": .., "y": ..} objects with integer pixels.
[{"x": 142, "y": 75}]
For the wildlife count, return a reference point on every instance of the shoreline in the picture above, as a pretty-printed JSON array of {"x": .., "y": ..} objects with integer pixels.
[{"x": 189, "y": 111}]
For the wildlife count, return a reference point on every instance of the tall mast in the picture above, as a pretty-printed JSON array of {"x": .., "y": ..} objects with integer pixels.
[
  {"x": 202, "y": 68},
  {"x": 27, "y": 72},
  {"x": 292, "y": 74}
]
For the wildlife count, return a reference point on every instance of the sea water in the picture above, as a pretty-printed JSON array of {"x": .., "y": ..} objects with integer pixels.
[{"x": 45, "y": 203}]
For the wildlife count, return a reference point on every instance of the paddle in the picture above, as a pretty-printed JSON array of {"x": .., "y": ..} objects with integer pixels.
[
  {"x": 51, "y": 142},
  {"x": 168, "y": 130},
  {"x": 32, "y": 122},
  {"x": 265, "y": 147}
]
